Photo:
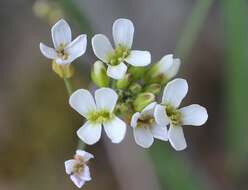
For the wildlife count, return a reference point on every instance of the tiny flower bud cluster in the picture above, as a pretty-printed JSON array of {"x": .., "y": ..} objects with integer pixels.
[{"x": 128, "y": 94}]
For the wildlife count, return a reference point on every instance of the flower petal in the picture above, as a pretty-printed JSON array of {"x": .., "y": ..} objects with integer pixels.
[
  {"x": 61, "y": 61},
  {"x": 194, "y": 114},
  {"x": 90, "y": 133},
  {"x": 85, "y": 174},
  {"x": 61, "y": 33},
  {"x": 101, "y": 47},
  {"x": 77, "y": 180},
  {"x": 86, "y": 155},
  {"x": 115, "y": 129},
  {"x": 77, "y": 47},
  {"x": 117, "y": 72},
  {"x": 48, "y": 52},
  {"x": 159, "y": 132},
  {"x": 149, "y": 109},
  {"x": 134, "y": 119},
  {"x": 69, "y": 165},
  {"x": 106, "y": 98},
  {"x": 82, "y": 101},
  {"x": 123, "y": 31},
  {"x": 143, "y": 136},
  {"x": 173, "y": 70},
  {"x": 174, "y": 92},
  {"x": 139, "y": 58},
  {"x": 176, "y": 138},
  {"x": 160, "y": 116},
  {"x": 165, "y": 63}
]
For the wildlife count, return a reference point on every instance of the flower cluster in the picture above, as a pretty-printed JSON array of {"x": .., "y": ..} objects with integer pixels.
[{"x": 128, "y": 94}]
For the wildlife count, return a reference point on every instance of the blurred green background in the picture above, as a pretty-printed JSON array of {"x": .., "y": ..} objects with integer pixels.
[{"x": 37, "y": 127}]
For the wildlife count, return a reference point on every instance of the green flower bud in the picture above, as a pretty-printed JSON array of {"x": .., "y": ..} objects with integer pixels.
[
  {"x": 135, "y": 88},
  {"x": 142, "y": 100},
  {"x": 99, "y": 74},
  {"x": 154, "y": 88},
  {"x": 137, "y": 72},
  {"x": 64, "y": 71},
  {"x": 121, "y": 108},
  {"x": 124, "y": 82}
]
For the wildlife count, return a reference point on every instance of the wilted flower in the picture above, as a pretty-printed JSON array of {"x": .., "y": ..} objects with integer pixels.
[
  {"x": 123, "y": 31},
  {"x": 98, "y": 112},
  {"x": 65, "y": 51},
  {"x": 169, "y": 113},
  {"x": 77, "y": 168},
  {"x": 145, "y": 128}
]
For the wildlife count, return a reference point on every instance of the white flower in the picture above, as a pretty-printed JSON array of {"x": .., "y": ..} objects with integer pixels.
[
  {"x": 145, "y": 129},
  {"x": 77, "y": 168},
  {"x": 123, "y": 31},
  {"x": 166, "y": 68},
  {"x": 99, "y": 112},
  {"x": 65, "y": 50},
  {"x": 169, "y": 113}
]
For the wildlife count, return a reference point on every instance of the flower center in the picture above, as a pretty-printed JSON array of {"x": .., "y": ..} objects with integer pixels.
[
  {"x": 145, "y": 121},
  {"x": 101, "y": 116},
  {"x": 120, "y": 53},
  {"x": 174, "y": 115},
  {"x": 79, "y": 167},
  {"x": 61, "y": 52}
]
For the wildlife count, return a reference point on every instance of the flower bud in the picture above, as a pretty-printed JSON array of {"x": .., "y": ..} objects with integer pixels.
[
  {"x": 163, "y": 71},
  {"x": 137, "y": 72},
  {"x": 99, "y": 74},
  {"x": 142, "y": 100},
  {"x": 135, "y": 88},
  {"x": 124, "y": 82},
  {"x": 64, "y": 71},
  {"x": 154, "y": 88}
]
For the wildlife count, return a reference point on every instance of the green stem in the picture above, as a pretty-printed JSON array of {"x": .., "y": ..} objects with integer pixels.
[
  {"x": 68, "y": 86},
  {"x": 192, "y": 28},
  {"x": 69, "y": 89}
]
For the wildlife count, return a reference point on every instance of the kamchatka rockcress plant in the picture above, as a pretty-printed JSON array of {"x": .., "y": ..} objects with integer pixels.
[{"x": 129, "y": 88}]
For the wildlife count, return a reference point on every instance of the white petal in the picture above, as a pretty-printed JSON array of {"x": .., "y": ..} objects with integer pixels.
[
  {"x": 139, "y": 58},
  {"x": 77, "y": 180},
  {"x": 194, "y": 115},
  {"x": 123, "y": 31},
  {"x": 69, "y": 165},
  {"x": 143, "y": 136},
  {"x": 61, "y": 61},
  {"x": 115, "y": 129},
  {"x": 149, "y": 109},
  {"x": 90, "y": 133},
  {"x": 173, "y": 70},
  {"x": 134, "y": 119},
  {"x": 61, "y": 33},
  {"x": 106, "y": 98},
  {"x": 82, "y": 101},
  {"x": 48, "y": 52},
  {"x": 101, "y": 47},
  {"x": 165, "y": 63},
  {"x": 174, "y": 92},
  {"x": 159, "y": 132},
  {"x": 86, "y": 155},
  {"x": 85, "y": 174},
  {"x": 76, "y": 48},
  {"x": 176, "y": 138},
  {"x": 160, "y": 116},
  {"x": 117, "y": 72}
]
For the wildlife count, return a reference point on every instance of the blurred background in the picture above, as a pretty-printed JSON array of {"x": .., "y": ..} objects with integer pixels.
[{"x": 37, "y": 127}]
